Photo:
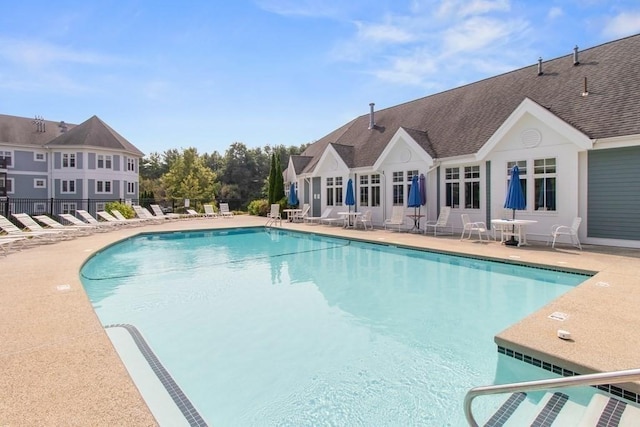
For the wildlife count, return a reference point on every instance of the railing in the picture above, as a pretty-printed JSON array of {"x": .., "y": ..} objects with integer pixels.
[{"x": 614, "y": 377}]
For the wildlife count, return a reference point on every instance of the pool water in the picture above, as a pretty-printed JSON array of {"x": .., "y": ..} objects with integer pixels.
[{"x": 272, "y": 327}]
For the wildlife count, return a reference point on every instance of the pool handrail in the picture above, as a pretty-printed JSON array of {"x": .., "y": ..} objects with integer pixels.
[{"x": 612, "y": 377}]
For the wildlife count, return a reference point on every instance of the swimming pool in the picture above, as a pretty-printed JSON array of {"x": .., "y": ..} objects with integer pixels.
[{"x": 273, "y": 327}]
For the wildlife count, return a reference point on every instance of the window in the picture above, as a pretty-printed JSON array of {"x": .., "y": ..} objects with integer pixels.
[
  {"x": 68, "y": 160},
  {"x": 6, "y": 159},
  {"x": 38, "y": 157},
  {"x": 68, "y": 187},
  {"x": 6, "y": 185},
  {"x": 103, "y": 187},
  {"x": 398, "y": 188},
  {"x": 39, "y": 208},
  {"x": 39, "y": 183},
  {"x": 131, "y": 187},
  {"x": 100, "y": 206},
  {"x": 334, "y": 191},
  {"x": 472, "y": 187},
  {"x": 330, "y": 192},
  {"x": 544, "y": 178},
  {"x": 131, "y": 165},
  {"x": 522, "y": 166},
  {"x": 68, "y": 208},
  {"x": 104, "y": 162},
  {"x": 452, "y": 187},
  {"x": 364, "y": 190},
  {"x": 375, "y": 189}
]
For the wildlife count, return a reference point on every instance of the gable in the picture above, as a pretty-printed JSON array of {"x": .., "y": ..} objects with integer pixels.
[{"x": 402, "y": 148}]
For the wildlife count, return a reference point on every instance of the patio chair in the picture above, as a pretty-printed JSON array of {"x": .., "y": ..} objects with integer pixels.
[
  {"x": 29, "y": 224},
  {"x": 90, "y": 219},
  {"x": 33, "y": 237},
  {"x": 157, "y": 211},
  {"x": 100, "y": 227},
  {"x": 193, "y": 214},
  {"x": 365, "y": 220},
  {"x": 564, "y": 230},
  {"x": 300, "y": 216},
  {"x": 274, "y": 217},
  {"x": 316, "y": 219},
  {"x": 441, "y": 223},
  {"x": 144, "y": 213},
  {"x": 55, "y": 225},
  {"x": 133, "y": 221},
  {"x": 209, "y": 212},
  {"x": 10, "y": 244},
  {"x": 224, "y": 210},
  {"x": 397, "y": 218},
  {"x": 107, "y": 217},
  {"x": 469, "y": 226}
]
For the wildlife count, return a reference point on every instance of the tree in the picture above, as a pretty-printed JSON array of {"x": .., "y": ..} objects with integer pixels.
[
  {"x": 278, "y": 189},
  {"x": 272, "y": 180},
  {"x": 189, "y": 178}
]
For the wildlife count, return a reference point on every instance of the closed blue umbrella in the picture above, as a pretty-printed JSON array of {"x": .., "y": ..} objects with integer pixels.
[
  {"x": 293, "y": 197},
  {"x": 349, "y": 199},
  {"x": 415, "y": 200},
  {"x": 515, "y": 197},
  {"x": 423, "y": 190}
]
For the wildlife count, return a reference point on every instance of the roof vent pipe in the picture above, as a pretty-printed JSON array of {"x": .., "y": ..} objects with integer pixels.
[
  {"x": 575, "y": 56},
  {"x": 540, "y": 66},
  {"x": 372, "y": 122}
]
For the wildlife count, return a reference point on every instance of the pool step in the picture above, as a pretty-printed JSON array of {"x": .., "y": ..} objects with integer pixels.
[{"x": 557, "y": 409}]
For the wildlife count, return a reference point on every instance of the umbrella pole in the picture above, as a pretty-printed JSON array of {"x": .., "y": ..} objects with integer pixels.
[{"x": 512, "y": 241}]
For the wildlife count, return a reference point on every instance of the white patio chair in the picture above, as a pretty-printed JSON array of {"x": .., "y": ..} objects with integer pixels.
[
  {"x": 564, "y": 230},
  {"x": 300, "y": 216},
  {"x": 209, "y": 212},
  {"x": 316, "y": 219},
  {"x": 397, "y": 218},
  {"x": 365, "y": 220},
  {"x": 441, "y": 223},
  {"x": 224, "y": 211},
  {"x": 157, "y": 211},
  {"x": 274, "y": 217},
  {"x": 469, "y": 226}
]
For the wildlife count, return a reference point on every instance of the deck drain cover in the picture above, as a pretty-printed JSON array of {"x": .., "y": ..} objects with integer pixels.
[{"x": 556, "y": 315}]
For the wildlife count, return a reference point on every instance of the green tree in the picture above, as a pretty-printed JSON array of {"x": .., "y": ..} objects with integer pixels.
[
  {"x": 189, "y": 178},
  {"x": 278, "y": 189},
  {"x": 272, "y": 180}
]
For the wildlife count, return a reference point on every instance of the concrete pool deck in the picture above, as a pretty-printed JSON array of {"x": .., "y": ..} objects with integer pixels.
[{"x": 58, "y": 366}]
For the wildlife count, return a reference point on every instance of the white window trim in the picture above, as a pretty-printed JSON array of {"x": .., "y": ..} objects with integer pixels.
[
  {"x": 131, "y": 162},
  {"x": 133, "y": 184},
  {"x": 35, "y": 182},
  {"x": 13, "y": 160},
  {"x": 68, "y": 192},
  {"x": 463, "y": 188},
  {"x": 103, "y": 182},
  {"x": 40, "y": 207},
  {"x": 75, "y": 160},
  {"x": 36, "y": 159},
  {"x": 13, "y": 185}
]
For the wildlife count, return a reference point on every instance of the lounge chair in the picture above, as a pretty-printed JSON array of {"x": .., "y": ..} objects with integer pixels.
[
  {"x": 34, "y": 237},
  {"x": 441, "y": 223},
  {"x": 469, "y": 226},
  {"x": 316, "y": 219},
  {"x": 157, "y": 211},
  {"x": 365, "y": 220},
  {"x": 107, "y": 217},
  {"x": 11, "y": 244},
  {"x": 397, "y": 218},
  {"x": 143, "y": 213},
  {"x": 89, "y": 219},
  {"x": 32, "y": 226},
  {"x": 133, "y": 221},
  {"x": 274, "y": 217},
  {"x": 100, "y": 227},
  {"x": 193, "y": 214},
  {"x": 564, "y": 230},
  {"x": 224, "y": 210},
  {"x": 209, "y": 212},
  {"x": 55, "y": 225},
  {"x": 300, "y": 216}
]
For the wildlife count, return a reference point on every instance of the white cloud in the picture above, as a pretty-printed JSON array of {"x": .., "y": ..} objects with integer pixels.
[
  {"x": 623, "y": 24},
  {"x": 383, "y": 33},
  {"x": 36, "y": 54},
  {"x": 465, "y": 8},
  {"x": 479, "y": 32},
  {"x": 555, "y": 12},
  {"x": 308, "y": 8}
]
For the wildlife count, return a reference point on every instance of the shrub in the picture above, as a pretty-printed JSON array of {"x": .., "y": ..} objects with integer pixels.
[
  {"x": 124, "y": 209},
  {"x": 259, "y": 207}
]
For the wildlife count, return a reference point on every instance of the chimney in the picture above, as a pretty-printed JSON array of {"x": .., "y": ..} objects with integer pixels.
[
  {"x": 585, "y": 92},
  {"x": 372, "y": 122},
  {"x": 540, "y": 66},
  {"x": 63, "y": 126},
  {"x": 575, "y": 56}
]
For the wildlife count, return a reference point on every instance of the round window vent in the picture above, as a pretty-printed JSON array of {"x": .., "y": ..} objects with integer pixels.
[
  {"x": 530, "y": 138},
  {"x": 405, "y": 155}
]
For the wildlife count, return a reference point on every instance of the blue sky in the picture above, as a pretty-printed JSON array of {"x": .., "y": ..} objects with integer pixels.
[{"x": 206, "y": 74}]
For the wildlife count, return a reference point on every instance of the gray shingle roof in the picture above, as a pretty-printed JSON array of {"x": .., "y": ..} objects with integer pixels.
[
  {"x": 28, "y": 132},
  {"x": 94, "y": 133},
  {"x": 461, "y": 120}
]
